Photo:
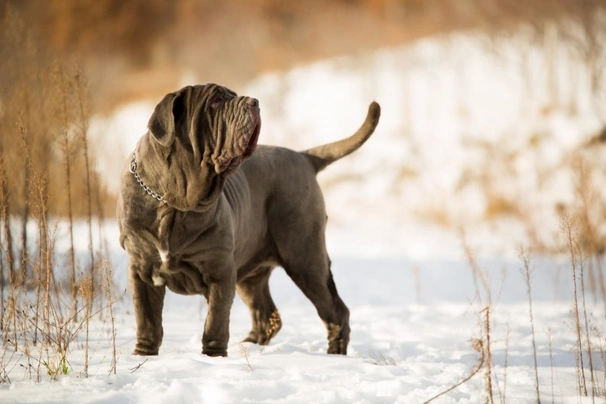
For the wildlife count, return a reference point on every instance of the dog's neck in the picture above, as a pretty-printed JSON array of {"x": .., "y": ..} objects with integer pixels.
[
  {"x": 132, "y": 168},
  {"x": 150, "y": 179}
]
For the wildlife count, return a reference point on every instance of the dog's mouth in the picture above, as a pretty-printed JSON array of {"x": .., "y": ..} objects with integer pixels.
[{"x": 252, "y": 143}]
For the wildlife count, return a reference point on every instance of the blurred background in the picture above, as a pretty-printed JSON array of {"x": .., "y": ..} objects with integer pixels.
[{"x": 493, "y": 110}]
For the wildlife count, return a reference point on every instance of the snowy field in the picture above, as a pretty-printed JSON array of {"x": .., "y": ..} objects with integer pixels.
[
  {"x": 413, "y": 327},
  {"x": 417, "y": 307}
]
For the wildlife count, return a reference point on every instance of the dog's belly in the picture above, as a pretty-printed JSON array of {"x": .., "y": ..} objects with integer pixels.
[
  {"x": 190, "y": 281},
  {"x": 256, "y": 263}
]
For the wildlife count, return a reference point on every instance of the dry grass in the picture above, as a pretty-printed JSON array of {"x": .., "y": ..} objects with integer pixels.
[
  {"x": 589, "y": 353},
  {"x": 527, "y": 273},
  {"x": 44, "y": 126},
  {"x": 587, "y": 369},
  {"x": 42, "y": 320},
  {"x": 484, "y": 296},
  {"x": 379, "y": 359},
  {"x": 244, "y": 354},
  {"x": 47, "y": 297},
  {"x": 478, "y": 346}
]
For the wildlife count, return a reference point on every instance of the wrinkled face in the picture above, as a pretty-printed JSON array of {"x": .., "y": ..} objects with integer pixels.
[
  {"x": 209, "y": 121},
  {"x": 202, "y": 132}
]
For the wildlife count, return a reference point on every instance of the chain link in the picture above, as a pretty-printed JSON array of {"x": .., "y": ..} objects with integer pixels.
[{"x": 133, "y": 169}]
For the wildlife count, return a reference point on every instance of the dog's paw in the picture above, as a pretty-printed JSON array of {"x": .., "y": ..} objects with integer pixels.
[
  {"x": 338, "y": 339},
  {"x": 141, "y": 351},
  {"x": 214, "y": 352},
  {"x": 337, "y": 347}
]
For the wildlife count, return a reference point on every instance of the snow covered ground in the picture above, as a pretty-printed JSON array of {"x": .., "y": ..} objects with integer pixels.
[
  {"x": 397, "y": 209},
  {"x": 413, "y": 327}
]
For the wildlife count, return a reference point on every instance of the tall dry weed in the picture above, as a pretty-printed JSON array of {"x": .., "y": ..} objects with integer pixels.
[
  {"x": 46, "y": 172},
  {"x": 527, "y": 274},
  {"x": 569, "y": 230}
]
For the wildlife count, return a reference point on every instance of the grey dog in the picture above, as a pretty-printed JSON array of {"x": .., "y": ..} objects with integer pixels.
[{"x": 203, "y": 210}]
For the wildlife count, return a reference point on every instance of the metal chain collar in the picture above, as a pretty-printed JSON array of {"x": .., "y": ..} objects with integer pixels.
[{"x": 133, "y": 169}]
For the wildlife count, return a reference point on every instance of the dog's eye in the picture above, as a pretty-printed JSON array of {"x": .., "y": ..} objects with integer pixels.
[{"x": 215, "y": 100}]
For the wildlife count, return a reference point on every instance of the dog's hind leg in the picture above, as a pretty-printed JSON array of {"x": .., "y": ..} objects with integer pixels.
[
  {"x": 312, "y": 274},
  {"x": 254, "y": 291}
]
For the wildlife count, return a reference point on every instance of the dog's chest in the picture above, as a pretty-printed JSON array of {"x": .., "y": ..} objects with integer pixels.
[{"x": 184, "y": 235}]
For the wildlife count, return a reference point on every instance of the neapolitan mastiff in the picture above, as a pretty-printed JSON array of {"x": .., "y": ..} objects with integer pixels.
[{"x": 199, "y": 213}]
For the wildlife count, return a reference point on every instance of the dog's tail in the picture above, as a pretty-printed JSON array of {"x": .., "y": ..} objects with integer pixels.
[{"x": 322, "y": 156}]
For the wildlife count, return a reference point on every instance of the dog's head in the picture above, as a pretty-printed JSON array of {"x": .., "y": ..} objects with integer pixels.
[{"x": 197, "y": 136}]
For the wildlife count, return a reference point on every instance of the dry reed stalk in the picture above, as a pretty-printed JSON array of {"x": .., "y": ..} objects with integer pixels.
[
  {"x": 478, "y": 274},
  {"x": 477, "y": 346},
  {"x": 83, "y": 124},
  {"x": 87, "y": 291},
  {"x": 601, "y": 338},
  {"x": 3, "y": 204},
  {"x": 24, "y": 221},
  {"x": 5, "y": 360},
  {"x": 527, "y": 280},
  {"x": 593, "y": 242},
  {"x": 5, "y": 216},
  {"x": 2, "y": 286},
  {"x": 567, "y": 224},
  {"x": 11, "y": 320},
  {"x": 26, "y": 343},
  {"x": 40, "y": 356},
  {"x": 481, "y": 279},
  {"x": 244, "y": 353},
  {"x": 47, "y": 277},
  {"x": 488, "y": 355},
  {"x": 103, "y": 248},
  {"x": 39, "y": 273},
  {"x": 8, "y": 313},
  {"x": 108, "y": 279},
  {"x": 134, "y": 369},
  {"x": 506, "y": 363},
  {"x": 587, "y": 333},
  {"x": 67, "y": 158},
  {"x": 39, "y": 200},
  {"x": 551, "y": 362},
  {"x": 27, "y": 164}
]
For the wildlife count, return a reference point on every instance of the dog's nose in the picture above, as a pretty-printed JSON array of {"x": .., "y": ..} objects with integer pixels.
[{"x": 253, "y": 102}]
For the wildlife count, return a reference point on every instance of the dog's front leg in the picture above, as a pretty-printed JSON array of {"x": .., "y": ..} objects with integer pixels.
[
  {"x": 148, "y": 301},
  {"x": 221, "y": 292}
]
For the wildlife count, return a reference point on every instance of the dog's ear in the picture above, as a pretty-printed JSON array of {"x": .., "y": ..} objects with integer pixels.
[{"x": 162, "y": 122}]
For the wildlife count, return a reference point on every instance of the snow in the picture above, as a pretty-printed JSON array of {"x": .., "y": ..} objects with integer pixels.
[
  {"x": 416, "y": 303},
  {"x": 412, "y": 329}
]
